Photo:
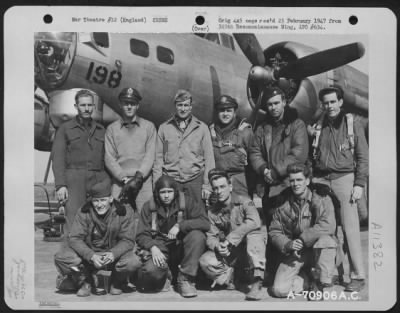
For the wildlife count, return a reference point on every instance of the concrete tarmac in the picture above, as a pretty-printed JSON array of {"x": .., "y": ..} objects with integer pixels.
[{"x": 45, "y": 281}]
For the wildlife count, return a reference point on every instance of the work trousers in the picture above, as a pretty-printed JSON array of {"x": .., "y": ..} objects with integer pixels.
[
  {"x": 67, "y": 258},
  {"x": 350, "y": 221},
  {"x": 322, "y": 255},
  {"x": 79, "y": 182},
  {"x": 193, "y": 188},
  {"x": 253, "y": 247},
  {"x": 239, "y": 185},
  {"x": 144, "y": 195},
  {"x": 183, "y": 255}
]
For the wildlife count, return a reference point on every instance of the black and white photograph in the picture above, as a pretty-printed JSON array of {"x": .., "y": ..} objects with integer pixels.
[{"x": 228, "y": 161}]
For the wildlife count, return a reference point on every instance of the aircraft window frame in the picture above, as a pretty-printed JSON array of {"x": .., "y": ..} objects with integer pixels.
[
  {"x": 165, "y": 55},
  {"x": 141, "y": 47},
  {"x": 101, "y": 42}
]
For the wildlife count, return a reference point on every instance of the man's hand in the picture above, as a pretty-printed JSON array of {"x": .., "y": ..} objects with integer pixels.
[
  {"x": 62, "y": 194},
  {"x": 222, "y": 248},
  {"x": 295, "y": 245},
  {"x": 108, "y": 257},
  {"x": 173, "y": 232},
  {"x": 159, "y": 259},
  {"x": 267, "y": 176},
  {"x": 356, "y": 193},
  {"x": 97, "y": 260},
  {"x": 205, "y": 193},
  {"x": 213, "y": 199},
  {"x": 125, "y": 179}
]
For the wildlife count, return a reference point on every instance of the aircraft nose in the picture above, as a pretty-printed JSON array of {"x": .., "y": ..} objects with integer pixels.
[{"x": 54, "y": 54}]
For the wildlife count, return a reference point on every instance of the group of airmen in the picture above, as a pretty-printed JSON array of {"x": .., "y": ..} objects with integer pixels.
[{"x": 154, "y": 206}]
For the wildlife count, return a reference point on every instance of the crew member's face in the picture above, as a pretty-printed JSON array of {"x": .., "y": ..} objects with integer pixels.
[
  {"x": 85, "y": 107},
  {"x": 332, "y": 104},
  {"x": 129, "y": 108},
  {"x": 183, "y": 108},
  {"x": 222, "y": 188},
  {"x": 275, "y": 106},
  {"x": 226, "y": 115},
  {"x": 298, "y": 183},
  {"x": 166, "y": 195},
  {"x": 102, "y": 205}
]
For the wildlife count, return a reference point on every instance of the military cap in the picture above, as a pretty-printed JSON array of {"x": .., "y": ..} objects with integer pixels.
[
  {"x": 270, "y": 92},
  {"x": 225, "y": 102},
  {"x": 216, "y": 173},
  {"x": 101, "y": 189},
  {"x": 336, "y": 89},
  {"x": 129, "y": 94},
  {"x": 182, "y": 95}
]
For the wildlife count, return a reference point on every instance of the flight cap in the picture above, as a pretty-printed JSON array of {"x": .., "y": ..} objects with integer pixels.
[{"x": 182, "y": 95}]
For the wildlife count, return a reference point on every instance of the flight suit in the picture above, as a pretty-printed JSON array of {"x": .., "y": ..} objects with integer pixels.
[
  {"x": 184, "y": 252},
  {"x": 78, "y": 162},
  {"x": 186, "y": 156},
  {"x": 313, "y": 221},
  {"x": 337, "y": 167},
  {"x": 87, "y": 237},
  {"x": 241, "y": 225},
  {"x": 231, "y": 145},
  {"x": 275, "y": 146}
]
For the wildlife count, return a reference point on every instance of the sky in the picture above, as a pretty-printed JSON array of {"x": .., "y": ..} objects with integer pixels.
[{"x": 319, "y": 42}]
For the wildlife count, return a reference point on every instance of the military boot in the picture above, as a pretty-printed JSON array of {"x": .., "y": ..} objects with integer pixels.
[
  {"x": 84, "y": 291},
  {"x": 119, "y": 284},
  {"x": 186, "y": 286},
  {"x": 116, "y": 283},
  {"x": 255, "y": 290},
  {"x": 167, "y": 285},
  {"x": 65, "y": 283},
  {"x": 230, "y": 284}
]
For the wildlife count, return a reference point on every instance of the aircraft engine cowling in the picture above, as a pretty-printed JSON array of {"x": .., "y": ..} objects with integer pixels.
[
  {"x": 301, "y": 72},
  {"x": 44, "y": 130}
]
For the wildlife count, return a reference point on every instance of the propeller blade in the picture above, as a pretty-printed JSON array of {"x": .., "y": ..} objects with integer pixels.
[
  {"x": 251, "y": 48},
  {"x": 321, "y": 61}
]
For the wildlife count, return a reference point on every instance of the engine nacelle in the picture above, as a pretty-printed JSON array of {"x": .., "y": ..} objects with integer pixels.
[{"x": 44, "y": 131}]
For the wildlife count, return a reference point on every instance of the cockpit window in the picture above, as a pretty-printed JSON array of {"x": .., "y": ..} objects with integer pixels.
[
  {"x": 139, "y": 47},
  {"x": 101, "y": 39},
  {"x": 165, "y": 55},
  {"x": 227, "y": 41},
  {"x": 212, "y": 37},
  {"x": 54, "y": 52}
]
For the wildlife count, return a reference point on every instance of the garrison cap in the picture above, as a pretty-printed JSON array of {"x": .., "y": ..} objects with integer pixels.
[
  {"x": 182, "y": 95},
  {"x": 101, "y": 189},
  {"x": 336, "y": 89},
  {"x": 217, "y": 173},
  {"x": 225, "y": 102},
  {"x": 129, "y": 94},
  {"x": 270, "y": 92}
]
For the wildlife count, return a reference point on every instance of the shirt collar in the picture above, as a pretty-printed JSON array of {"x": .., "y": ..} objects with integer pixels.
[
  {"x": 177, "y": 120},
  {"x": 80, "y": 123},
  {"x": 135, "y": 120},
  {"x": 307, "y": 197}
]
